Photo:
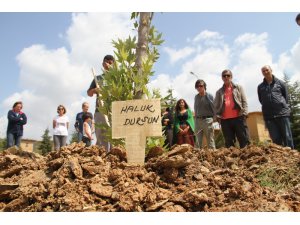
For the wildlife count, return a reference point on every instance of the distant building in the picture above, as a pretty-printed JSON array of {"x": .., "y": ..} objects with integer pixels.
[
  {"x": 28, "y": 145},
  {"x": 257, "y": 129}
]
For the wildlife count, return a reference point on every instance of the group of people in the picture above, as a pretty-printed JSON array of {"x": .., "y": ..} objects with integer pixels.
[
  {"x": 230, "y": 108},
  {"x": 85, "y": 121},
  {"x": 84, "y": 124}
]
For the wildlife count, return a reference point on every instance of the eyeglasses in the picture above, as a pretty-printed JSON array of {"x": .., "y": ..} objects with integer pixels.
[{"x": 226, "y": 75}]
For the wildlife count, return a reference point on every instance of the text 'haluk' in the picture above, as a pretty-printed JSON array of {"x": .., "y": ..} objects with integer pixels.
[{"x": 142, "y": 108}]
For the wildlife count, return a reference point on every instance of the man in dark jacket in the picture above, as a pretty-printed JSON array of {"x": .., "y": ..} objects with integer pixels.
[
  {"x": 99, "y": 117},
  {"x": 273, "y": 96},
  {"x": 16, "y": 120}
]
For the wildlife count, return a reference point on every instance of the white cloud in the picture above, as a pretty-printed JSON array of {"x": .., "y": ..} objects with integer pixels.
[
  {"x": 210, "y": 61},
  {"x": 289, "y": 62},
  {"x": 245, "y": 58},
  {"x": 3, "y": 126},
  {"x": 208, "y": 38},
  {"x": 251, "y": 39},
  {"x": 208, "y": 35},
  {"x": 205, "y": 65},
  {"x": 90, "y": 35},
  {"x": 176, "y": 55},
  {"x": 251, "y": 54},
  {"x": 49, "y": 77}
]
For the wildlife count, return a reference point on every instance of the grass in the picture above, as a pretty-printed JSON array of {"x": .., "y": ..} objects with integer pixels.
[{"x": 279, "y": 178}]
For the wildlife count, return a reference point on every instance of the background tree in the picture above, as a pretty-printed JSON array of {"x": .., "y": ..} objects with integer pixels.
[
  {"x": 46, "y": 144},
  {"x": 74, "y": 137},
  {"x": 3, "y": 144},
  {"x": 294, "y": 101},
  {"x": 169, "y": 100},
  {"x": 128, "y": 77}
]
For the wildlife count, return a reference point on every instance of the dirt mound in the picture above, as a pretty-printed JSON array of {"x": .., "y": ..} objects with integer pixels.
[{"x": 79, "y": 178}]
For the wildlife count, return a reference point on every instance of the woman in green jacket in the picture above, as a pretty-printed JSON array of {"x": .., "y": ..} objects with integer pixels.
[{"x": 184, "y": 126}]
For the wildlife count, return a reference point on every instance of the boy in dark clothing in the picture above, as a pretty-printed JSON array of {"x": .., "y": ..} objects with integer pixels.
[{"x": 79, "y": 121}]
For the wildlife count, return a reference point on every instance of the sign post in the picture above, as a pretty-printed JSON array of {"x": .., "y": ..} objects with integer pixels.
[{"x": 135, "y": 120}]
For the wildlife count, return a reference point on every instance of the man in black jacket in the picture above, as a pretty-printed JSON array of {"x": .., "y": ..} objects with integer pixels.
[{"x": 273, "y": 96}]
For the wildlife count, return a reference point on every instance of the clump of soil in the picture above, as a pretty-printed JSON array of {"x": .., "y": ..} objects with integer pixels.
[{"x": 79, "y": 178}]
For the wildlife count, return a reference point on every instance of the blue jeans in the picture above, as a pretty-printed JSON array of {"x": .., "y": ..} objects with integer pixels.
[
  {"x": 80, "y": 135},
  {"x": 280, "y": 131},
  {"x": 13, "y": 139}
]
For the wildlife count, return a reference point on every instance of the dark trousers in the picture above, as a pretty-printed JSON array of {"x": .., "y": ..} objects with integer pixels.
[
  {"x": 169, "y": 137},
  {"x": 235, "y": 128},
  {"x": 280, "y": 131},
  {"x": 87, "y": 141}
]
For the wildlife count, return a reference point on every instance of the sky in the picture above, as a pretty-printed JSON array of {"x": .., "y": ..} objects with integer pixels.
[{"x": 46, "y": 57}]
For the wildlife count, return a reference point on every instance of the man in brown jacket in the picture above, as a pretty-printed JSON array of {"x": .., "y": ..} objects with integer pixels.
[{"x": 231, "y": 109}]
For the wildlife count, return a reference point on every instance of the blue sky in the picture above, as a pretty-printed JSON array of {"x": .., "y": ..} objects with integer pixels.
[{"x": 46, "y": 57}]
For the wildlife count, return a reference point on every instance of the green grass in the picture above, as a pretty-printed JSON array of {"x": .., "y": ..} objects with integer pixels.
[{"x": 279, "y": 178}]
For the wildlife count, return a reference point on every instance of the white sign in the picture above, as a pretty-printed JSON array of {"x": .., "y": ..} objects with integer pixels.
[{"x": 135, "y": 120}]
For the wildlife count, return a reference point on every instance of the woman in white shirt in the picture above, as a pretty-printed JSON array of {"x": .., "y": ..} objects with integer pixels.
[{"x": 60, "y": 128}]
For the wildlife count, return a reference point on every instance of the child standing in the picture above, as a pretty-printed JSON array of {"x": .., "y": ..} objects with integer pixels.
[{"x": 87, "y": 131}]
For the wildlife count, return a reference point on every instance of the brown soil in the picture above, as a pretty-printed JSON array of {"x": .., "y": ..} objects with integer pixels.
[{"x": 184, "y": 179}]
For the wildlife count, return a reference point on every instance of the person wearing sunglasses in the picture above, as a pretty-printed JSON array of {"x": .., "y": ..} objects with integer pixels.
[
  {"x": 274, "y": 98},
  {"x": 60, "y": 128},
  {"x": 16, "y": 120},
  {"x": 231, "y": 110},
  {"x": 204, "y": 115}
]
